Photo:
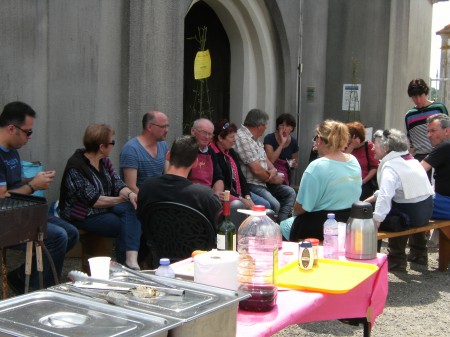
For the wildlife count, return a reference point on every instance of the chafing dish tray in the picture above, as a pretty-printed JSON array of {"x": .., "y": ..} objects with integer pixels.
[{"x": 48, "y": 313}]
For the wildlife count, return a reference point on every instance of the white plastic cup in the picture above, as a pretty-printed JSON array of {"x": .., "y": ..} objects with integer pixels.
[{"x": 99, "y": 267}]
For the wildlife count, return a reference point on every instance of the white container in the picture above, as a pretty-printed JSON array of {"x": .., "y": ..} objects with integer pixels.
[
  {"x": 305, "y": 255},
  {"x": 342, "y": 227},
  {"x": 99, "y": 267}
]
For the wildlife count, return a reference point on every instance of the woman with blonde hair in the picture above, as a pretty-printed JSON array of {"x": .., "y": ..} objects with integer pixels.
[{"x": 330, "y": 184}]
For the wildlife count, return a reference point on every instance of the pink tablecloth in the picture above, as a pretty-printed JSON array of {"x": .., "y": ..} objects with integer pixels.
[{"x": 294, "y": 307}]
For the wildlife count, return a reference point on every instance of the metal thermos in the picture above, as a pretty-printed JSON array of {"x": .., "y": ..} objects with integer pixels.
[{"x": 361, "y": 233}]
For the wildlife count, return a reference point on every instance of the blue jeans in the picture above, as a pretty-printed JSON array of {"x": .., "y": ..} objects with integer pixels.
[
  {"x": 257, "y": 200},
  {"x": 280, "y": 197},
  {"x": 119, "y": 222},
  {"x": 61, "y": 237}
]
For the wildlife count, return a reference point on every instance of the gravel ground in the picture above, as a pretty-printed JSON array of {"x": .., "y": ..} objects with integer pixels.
[{"x": 418, "y": 304}]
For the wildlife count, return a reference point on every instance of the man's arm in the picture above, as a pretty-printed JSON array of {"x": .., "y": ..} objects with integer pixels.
[
  {"x": 130, "y": 178},
  {"x": 426, "y": 166}
]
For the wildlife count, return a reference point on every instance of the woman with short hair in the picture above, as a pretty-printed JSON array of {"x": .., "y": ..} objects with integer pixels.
[
  {"x": 404, "y": 199},
  {"x": 95, "y": 199}
]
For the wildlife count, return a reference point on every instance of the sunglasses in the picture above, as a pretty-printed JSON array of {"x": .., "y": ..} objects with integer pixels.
[
  {"x": 226, "y": 126},
  {"x": 27, "y": 132},
  {"x": 113, "y": 142}
]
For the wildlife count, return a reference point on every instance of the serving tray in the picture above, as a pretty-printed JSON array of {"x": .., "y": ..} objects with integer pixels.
[{"x": 329, "y": 276}]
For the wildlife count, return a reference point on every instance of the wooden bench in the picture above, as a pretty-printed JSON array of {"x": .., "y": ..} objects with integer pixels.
[{"x": 444, "y": 238}]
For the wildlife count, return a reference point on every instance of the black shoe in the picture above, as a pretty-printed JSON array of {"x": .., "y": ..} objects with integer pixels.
[
  {"x": 397, "y": 267},
  {"x": 15, "y": 283},
  {"x": 422, "y": 260}
]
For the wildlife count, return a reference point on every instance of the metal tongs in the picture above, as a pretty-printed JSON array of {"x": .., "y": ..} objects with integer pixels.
[
  {"x": 115, "y": 267},
  {"x": 78, "y": 276}
]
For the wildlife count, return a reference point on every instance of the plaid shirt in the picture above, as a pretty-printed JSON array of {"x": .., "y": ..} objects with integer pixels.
[
  {"x": 82, "y": 193},
  {"x": 250, "y": 150}
]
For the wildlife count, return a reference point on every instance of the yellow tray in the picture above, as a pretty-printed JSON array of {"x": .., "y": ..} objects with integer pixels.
[{"x": 330, "y": 276}]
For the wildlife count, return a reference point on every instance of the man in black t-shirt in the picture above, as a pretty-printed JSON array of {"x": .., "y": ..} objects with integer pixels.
[{"x": 439, "y": 159}]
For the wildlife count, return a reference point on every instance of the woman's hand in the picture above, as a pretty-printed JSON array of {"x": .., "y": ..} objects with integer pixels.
[
  {"x": 133, "y": 199},
  {"x": 248, "y": 203}
]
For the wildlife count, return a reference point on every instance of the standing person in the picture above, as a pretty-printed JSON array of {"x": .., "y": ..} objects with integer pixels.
[
  {"x": 439, "y": 159},
  {"x": 16, "y": 128},
  {"x": 363, "y": 152},
  {"x": 145, "y": 155},
  {"x": 281, "y": 148},
  {"x": 330, "y": 184},
  {"x": 94, "y": 197},
  {"x": 207, "y": 172},
  {"x": 416, "y": 118},
  {"x": 233, "y": 178},
  {"x": 262, "y": 177},
  {"x": 404, "y": 199},
  {"x": 174, "y": 185}
]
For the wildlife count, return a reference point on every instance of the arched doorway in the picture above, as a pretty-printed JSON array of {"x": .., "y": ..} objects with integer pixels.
[{"x": 209, "y": 98}]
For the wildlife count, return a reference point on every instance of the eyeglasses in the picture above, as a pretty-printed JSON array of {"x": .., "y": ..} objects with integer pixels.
[
  {"x": 315, "y": 138},
  {"x": 113, "y": 142},
  {"x": 27, "y": 132},
  {"x": 165, "y": 126},
  {"x": 205, "y": 133},
  {"x": 226, "y": 126}
]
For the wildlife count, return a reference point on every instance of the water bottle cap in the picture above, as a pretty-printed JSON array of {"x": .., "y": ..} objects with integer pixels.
[
  {"x": 331, "y": 216},
  {"x": 164, "y": 261}
]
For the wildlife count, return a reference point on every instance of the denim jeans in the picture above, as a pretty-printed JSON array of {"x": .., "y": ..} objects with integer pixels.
[
  {"x": 119, "y": 222},
  {"x": 257, "y": 200},
  {"x": 61, "y": 237},
  {"x": 280, "y": 197}
]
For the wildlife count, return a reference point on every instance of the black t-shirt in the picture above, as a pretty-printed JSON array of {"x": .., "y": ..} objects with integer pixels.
[{"x": 439, "y": 159}]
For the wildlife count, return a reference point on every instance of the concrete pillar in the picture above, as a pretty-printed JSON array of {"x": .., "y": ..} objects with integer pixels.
[{"x": 445, "y": 65}]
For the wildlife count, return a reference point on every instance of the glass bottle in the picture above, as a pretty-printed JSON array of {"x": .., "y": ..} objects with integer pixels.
[{"x": 226, "y": 233}]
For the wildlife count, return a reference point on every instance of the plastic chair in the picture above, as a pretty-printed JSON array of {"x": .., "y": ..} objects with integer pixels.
[{"x": 175, "y": 230}]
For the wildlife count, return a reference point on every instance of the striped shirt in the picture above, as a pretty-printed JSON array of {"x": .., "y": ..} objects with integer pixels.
[
  {"x": 134, "y": 155},
  {"x": 416, "y": 126}
]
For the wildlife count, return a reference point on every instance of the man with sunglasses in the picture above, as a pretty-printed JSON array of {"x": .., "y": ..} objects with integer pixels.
[
  {"x": 144, "y": 156},
  {"x": 16, "y": 123}
]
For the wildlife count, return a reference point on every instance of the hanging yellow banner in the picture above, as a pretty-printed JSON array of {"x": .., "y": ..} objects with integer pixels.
[{"x": 202, "y": 65}]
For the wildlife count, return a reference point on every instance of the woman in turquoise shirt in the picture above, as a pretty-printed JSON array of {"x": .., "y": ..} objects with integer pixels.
[{"x": 330, "y": 184}]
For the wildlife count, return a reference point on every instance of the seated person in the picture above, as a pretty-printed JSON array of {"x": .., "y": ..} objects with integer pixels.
[
  {"x": 404, "y": 199},
  {"x": 95, "y": 199},
  {"x": 16, "y": 128},
  {"x": 233, "y": 178},
  {"x": 363, "y": 151},
  {"x": 262, "y": 177},
  {"x": 281, "y": 147},
  {"x": 207, "y": 172},
  {"x": 174, "y": 186},
  {"x": 330, "y": 184}
]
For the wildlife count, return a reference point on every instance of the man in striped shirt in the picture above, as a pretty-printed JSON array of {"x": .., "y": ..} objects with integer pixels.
[{"x": 145, "y": 155}]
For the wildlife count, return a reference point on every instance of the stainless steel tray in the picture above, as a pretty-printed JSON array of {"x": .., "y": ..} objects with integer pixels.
[
  {"x": 198, "y": 300},
  {"x": 49, "y": 313}
]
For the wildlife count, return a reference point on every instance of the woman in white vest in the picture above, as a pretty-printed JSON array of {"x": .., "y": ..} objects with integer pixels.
[{"x": 404, "y": 199}]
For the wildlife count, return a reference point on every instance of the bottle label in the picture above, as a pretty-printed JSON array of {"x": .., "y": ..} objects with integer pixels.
[{"x": 220, "y": 242}]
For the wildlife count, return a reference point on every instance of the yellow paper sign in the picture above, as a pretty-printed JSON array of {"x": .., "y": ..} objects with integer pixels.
[{"x": 202, "y": 65}]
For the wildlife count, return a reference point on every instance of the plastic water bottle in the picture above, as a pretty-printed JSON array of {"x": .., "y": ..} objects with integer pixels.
[
  {"x": 330, "y": 238},
  {"x": 258, "y": 260},
  {"x": 165, "y": 269}
]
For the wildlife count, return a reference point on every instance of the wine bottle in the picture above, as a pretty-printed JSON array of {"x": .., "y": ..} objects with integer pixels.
[{"x": 226, "y": 234}]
